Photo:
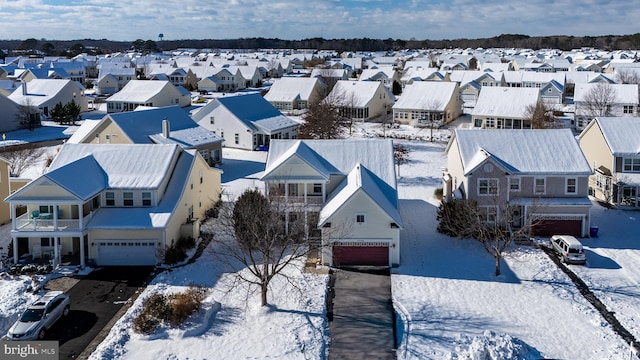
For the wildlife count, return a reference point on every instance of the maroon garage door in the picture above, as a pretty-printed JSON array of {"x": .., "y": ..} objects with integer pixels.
[
  {"x": 554, "y": 227},
  {"x": 360, "y": 255}
]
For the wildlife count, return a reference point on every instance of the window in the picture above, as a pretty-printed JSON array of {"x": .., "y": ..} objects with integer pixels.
[
  {"x": 487, "y": 213},
  {"x": 631, "y": 165},
  {"x": 97, "y": 138},
  {"x": 538, "y": 187},
  {"x": 627, "y": 109},
  {"x": 317, "y": 188},
  {"x": 201, "y": 177},
  {"x": 360, "y": 218},
  {"x": 237, "y": 139},
  {"x": 127, "y": 198},
  {"x": 45, "y": 242},
  {"x": 146, "y": 199},
  {"x": 212, "y": 120},
  {"x": 487, "y": 186},
  {"x": 111, "y": 198},
  {"x": 514, "y": 184},
  {"x": 572, "y": 186}
]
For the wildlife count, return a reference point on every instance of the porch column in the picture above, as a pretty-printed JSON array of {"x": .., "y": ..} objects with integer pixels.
[
  {"x": 13, "y": 216},
  {"x": 15, "y": 249},
  {"x": 82, "y": 251},
  {"x": 56, "y": 252},
  {"x": 324, "y": 192},
  {"x": 80, "y": 218},
  {"x": 305, "y": 194},
  {"x": 55, "y": 217}
]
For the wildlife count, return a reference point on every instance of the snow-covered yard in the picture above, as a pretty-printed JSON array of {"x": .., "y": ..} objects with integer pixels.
[{"x": 451, "y": 305}]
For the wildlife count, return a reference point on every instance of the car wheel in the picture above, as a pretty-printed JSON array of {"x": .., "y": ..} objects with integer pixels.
[
  {"x": 41, "y": 334},
  {"x": 65, "y": 312}
]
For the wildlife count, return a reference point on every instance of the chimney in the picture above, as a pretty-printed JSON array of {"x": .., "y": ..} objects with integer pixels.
[
  {"x": 24, "y": 88},
  {"x": 165, "y": 128}
]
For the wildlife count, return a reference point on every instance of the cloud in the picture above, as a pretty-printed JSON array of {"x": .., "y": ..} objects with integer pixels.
[{"x": 293, "y": 19}]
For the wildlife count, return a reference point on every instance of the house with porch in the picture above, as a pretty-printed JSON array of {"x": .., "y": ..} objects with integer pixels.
[
  {"x": 538, "y": 179},
  {"x": 246, "y": 121},
  {"x": 361, "y": 100},
  {"x": 347, "y": 191},
  {"x": 504, "y": 107},
  {"x": 131, "y": 203},
  {"x": 428, "y": 103},
  {"x": 156, "y": 93},
  {"x": 294, "y": 93},
  {"x": 611, "y": 145},
  {"x": 166, "y": 125}
]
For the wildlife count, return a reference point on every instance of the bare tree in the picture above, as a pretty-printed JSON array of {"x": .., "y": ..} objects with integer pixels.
[
  {"x": 400, "y": 155},
  {"x": 28, "y": 115},
  {"x": 541, "y": 117},
  {"x": 273, "y": 66},
  {"x": 20, "y": 160},
  {"x": 434, "y": 118},
  {"x": 260, "y": 237},
  {"x": 496, "y": 226},
  {"x": 598, "y": 100},
  {"x": 627, "y": 76},
  {"x": 323, "y": 119}
]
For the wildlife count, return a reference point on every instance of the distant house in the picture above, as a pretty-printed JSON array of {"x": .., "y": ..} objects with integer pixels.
[
  {"x": 131, "y": 203},
  {"x": 44, "y": 94},
  {"x": 504, "y": 108},
  {"x": 223, "y": 79},
  {"x": 291, "y": 93},
  {"x": 347, "y": 189},
  {"x": 605, "y": 100},
  {"x": 361, "y": 100},
  {"x": 428, "y": 102},
  {"x": 113, "y": 79},
  {"x": 540, "y": 175},
  {"x": 245, "y": 121},
  {"x": 167, "y": 125},
  {"x": 611, "y": 145},
  {"x": 154, "y": 93},
  {"x": 11, "y": 114},
  {"x": 386, "y": 75}
]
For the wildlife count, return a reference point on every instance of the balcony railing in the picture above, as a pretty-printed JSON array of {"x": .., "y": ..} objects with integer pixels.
[{"x": 26, "y": 223}]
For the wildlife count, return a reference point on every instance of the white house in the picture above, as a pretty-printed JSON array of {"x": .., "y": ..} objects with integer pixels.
[
  {"x": 155, "y": 93},
  {"x": 347, "y": 189},
  {"x": 44, "y": 94},
  {"x": 504, "y": 107},
  {"x": 245, "y": 121}
]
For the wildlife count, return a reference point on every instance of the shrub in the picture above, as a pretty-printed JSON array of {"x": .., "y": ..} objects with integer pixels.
[
  {"x": 439, "y": 193},
  {"x": 178, "y": 251},
  {"x": 145, "y": 324},
  {"x": 186, "y": 243},
  {"x": 186, "y": 303},
  {"x": 154, "y": 309}
]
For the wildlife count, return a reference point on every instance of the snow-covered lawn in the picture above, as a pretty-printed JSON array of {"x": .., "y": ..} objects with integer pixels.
[{"x": 451, "y": 305}]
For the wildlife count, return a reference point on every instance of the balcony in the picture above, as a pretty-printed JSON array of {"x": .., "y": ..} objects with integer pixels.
[{"x": 46, "y": 223}]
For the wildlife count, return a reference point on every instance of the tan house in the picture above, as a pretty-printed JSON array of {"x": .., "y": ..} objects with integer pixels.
[
  {"x": 44, "y": 94},
  {"x": 155, "y": 93},
  {"x": 428, "y": 103},
  {"x": 166, "y": 125},
  {"x": 504, "y": 107},
  {"x": 361, "y": 100},
  {"x": 611, "y": 145},
  {"x": 131, "y": 203},
  {"x": 293, "y": 93},
  {"x": 541, "y": 176}
]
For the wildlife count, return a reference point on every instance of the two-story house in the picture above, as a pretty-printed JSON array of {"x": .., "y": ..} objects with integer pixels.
[
  {"x": 605, "y": 100},
  {"x": 113, "y": 204},
  {"x": 345, "y": 188},
  {"x": 611, "y": 146},
  {"x": 540, "y": 176}
]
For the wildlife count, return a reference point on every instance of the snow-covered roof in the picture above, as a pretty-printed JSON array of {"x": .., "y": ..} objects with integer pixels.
[
  {"x": 505, "y": 101},
  {"x": 83, "y": 131},
  {"x": 255, "y": 111},
  {"x": 544, "y": 151},
  {"x": 622, "y": 134},
  {"x": 360, "y": 178},
  {"x": 624, "y": 93},
  {"x": 139, "y": 91},
  {"x": 39, "y": 91},
  {"x": 342, "y": 155},
  {"x": 427, "y": 95},
  {"x": 288, "y": 88},
  {"x": 355, "y": 94},
  {"x": 124, "y": 166}
]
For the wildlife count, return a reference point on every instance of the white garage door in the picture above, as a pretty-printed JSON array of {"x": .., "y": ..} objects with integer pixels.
[{"x": 126, "y": 252}]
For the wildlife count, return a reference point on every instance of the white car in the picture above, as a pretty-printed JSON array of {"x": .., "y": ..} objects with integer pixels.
[
  {"x": 569, "y": 249},
  {"x": 40, "y": 316}
]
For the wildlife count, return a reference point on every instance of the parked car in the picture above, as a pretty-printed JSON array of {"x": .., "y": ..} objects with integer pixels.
[
  {"x": 40, "y": 316},
  {"x": 569, "y": 249}
]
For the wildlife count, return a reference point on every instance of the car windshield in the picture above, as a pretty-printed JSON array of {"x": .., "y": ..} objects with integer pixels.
[
  {"x": 31, "y": 315},
  {"x": 574, "y": 251}
]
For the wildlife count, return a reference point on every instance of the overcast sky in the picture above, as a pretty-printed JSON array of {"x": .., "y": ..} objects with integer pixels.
[{"x": 300, "y": 19}]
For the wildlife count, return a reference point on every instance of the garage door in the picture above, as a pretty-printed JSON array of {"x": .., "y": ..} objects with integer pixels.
[
  {"x": 372, "y": 254},
  {"x": 126, "y": 252},
  {"x": 553, "y": 227}
]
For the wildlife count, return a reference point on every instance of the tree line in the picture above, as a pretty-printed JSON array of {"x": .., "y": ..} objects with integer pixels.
[{"x": 102, "y": 46}]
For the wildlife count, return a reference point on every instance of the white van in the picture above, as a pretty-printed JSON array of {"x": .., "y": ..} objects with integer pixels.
[{"x": 569, "y": 248}]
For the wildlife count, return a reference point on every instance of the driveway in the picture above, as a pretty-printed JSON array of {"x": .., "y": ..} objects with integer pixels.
[
  {"x": 95, "y": 300},
  {"x": 362, "y": 325}
]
